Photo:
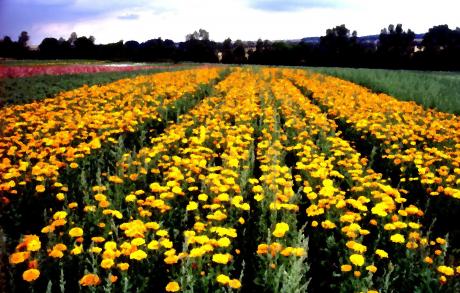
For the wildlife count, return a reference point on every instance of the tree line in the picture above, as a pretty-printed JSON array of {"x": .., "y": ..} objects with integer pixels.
[{"x": 394, "y": 47}]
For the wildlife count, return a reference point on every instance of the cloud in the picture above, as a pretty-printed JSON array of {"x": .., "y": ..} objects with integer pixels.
[
  {"x": 129, "y": 16},
  {"x": 290, "y": 5},
  {"x": 140, "y": 20}
]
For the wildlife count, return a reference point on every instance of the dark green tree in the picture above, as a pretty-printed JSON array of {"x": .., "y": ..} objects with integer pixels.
[
  {"x": 227, "y": 52},
  {"x": 239, "y": 53},
  {"x": 23, "y": 39},
  {"x": 396, "y": 46},
  {"x": 49, "y": 48}
]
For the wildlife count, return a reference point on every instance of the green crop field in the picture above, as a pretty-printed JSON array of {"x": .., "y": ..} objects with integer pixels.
[{"x": 440, "y": 90}]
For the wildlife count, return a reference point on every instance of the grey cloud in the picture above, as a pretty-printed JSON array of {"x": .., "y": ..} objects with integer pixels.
[
  {"x": 128, "y": 17},
  {"x": 290, "y": 5}
]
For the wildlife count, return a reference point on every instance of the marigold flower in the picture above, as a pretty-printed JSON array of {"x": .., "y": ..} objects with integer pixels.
[
  {"x": 346, "y": 268},
  {"x": 90, "y": 280},
  {"x": 172, "y": 259},
  {"x": 19, "y": 257},
  {"x": 357, "y": 259},
  {"x": 223, "y": 279},
  {"x": 32, "y": 242},
  {"x": 30, "y": 275},
  {"x": 223, "y": 242},
  {"x": 397, "y": 238},
  {"x": 172, "y": 287},
  {"x": 113, "y": 278},
  {"x": 76, "y": 232},
  {"x": 107, "y": 263},
  {"x": 123, "y": 266},
  {"x": 192, "y": 205},
  {"x": 381, "y": 253},
  {"x": 262, "y": 248},
  {"x": 138, "y": 255},
  {"x": 280, "y": 229},
  {"x": 234, "y": 283},
  {"x": 371, "y": 268},
  {"x": 221, "y": 258},
  {"x": 448, "y": 271},
  {"x": 40, "y": 188}
]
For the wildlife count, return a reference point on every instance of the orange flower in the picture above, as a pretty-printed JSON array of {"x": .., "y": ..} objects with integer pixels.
[
  {"x": 90, "y": 280},
  {"x": 19, "y": 257},
  {"x": 31, "y": 275},
  {"x": 40, "y": 188},
  {"x": 113, "y": 278}
]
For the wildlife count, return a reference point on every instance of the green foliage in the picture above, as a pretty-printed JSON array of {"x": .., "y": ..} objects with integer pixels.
[{"x": 440, "y": 90}]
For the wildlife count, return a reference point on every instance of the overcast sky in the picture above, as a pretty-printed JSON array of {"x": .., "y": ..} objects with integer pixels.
[{"x": 114, "y": 20}]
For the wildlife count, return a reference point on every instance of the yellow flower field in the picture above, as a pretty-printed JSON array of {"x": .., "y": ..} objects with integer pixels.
[{"x": 229, "y": 179}]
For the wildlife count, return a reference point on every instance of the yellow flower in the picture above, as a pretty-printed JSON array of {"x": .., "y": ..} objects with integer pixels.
[
  {"x": 357, "y": 247},
  {"x": 234, "y": 283},
  {"x": 371, "y": 268},
  {"x": 138, "y": 255},
  {"x": 112, "y": 245},
  {"x": 357, "y": 259},
  {"x": 221, "y": 258},
  {"x": 76, "y": 232},
  {"x": 171, "y": 259},
  {"x": 138, "y": 241},
  {"x": 441, "y": 241},
  {"x": 96, "y": 250},
  {"x": 257, "y": 189},
  {"x": 381, "y": 253},
  {"x": 77, "y": 250},
  {"x": 397, "y": 238},
  {"x": 223, "y": 242},
  {"x": 223, "y": 279},
  {"x": 30, "y": 275},
  {"x": 166, "y": 243},
  {"x": 259, "y": 197},
  {"x": 192, "y": 205},
  {"x": 233, "y": 163},
  {"x": 33, "y": 243},
  {"x": 123, "y": 266},
  {"x": 107, "y": 263},
  {"x": 177, "y": 190},
  {"x": 172, "y": 287},
  {"x": 280, "y": 229},
  {"x": 448, "y": 271},
  {"x": 202, "y": 197},
  {"x": 328, "y": 224},
  {"x": 73, "y": 165},
  {"x": 153, "y": 245}
]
